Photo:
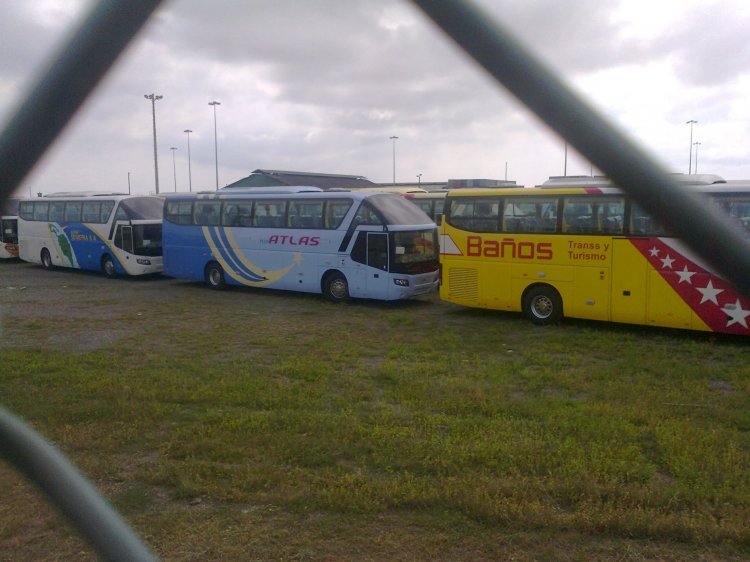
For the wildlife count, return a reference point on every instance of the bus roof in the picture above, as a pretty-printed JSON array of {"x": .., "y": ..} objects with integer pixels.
[
  {"x": 69, "y": 194},
  {"x": 604, "y": 181},
  {"x": 255, "y": 193},
  {"x": 269, "y": 189},
  {"x": 600, "y": 189},
  {"x": 386, "y": 189}
]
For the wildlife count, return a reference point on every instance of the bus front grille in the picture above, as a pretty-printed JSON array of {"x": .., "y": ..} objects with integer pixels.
[{"x": 464, "y": 284}]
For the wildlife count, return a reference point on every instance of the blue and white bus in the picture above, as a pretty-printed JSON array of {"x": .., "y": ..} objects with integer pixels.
[
  {"x": 113, "y": 233},
  {"x": 341, "y": 244}
]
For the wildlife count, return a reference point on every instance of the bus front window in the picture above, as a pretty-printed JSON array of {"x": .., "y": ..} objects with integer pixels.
[
  {"x": 147, "y": 239},
  {"x": 414, "y": 248}
]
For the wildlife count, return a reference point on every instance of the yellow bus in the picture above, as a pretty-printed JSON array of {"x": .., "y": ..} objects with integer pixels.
[
  {"x": 431, "y": 202},
  {"x": 586, "y": 252}
]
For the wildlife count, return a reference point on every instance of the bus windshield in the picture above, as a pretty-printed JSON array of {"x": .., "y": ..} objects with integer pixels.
[
  {"x": 395, "y": 212},
  {"x": 141, "y": 208},
  {"x": 147, "y": 239},
  {"x": 412, "y": 249}
]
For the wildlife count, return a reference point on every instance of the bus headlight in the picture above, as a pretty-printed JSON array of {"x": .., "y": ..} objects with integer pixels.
[
  {"x": 401, "y": 282},
  {"x": 143, "y": 261}
]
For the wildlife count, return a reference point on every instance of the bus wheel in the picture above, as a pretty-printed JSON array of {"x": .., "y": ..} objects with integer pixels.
[
  {"x": 108, "y": 266},
  {"x": 215, "y": 276},
  {"x": 335, "y": 287},
  {"x": 46, "y": 259},
  {"x": 543, "y": 305}
]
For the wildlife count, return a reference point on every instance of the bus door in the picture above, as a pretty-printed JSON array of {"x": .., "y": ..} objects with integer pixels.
[
  {"x": 629, "y": 283},
  {"x": 124, "y": 237},
  {"x": 369, "y": 276},
  {"x": 377, "y": 260}
]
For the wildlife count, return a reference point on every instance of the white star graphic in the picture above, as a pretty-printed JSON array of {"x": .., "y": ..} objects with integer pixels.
[
  {"x": 710, "y": 293},
  {"x": 685, "y": 275},
  {"x": 654, "y": 252},
  {"x": 667, "y": 262},
  {"x": 736, "y": 314}
]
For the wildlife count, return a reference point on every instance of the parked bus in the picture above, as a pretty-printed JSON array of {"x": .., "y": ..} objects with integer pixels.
[
  {"x": 431, "y": 202},
  {"x": 340, "y": 244},
  {"x": 9, "y": 230},
  {"x": 586, "y": 252},
  {"x": 109, "y": 232}
]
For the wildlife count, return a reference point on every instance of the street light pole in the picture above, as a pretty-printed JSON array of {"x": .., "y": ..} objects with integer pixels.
[
  {"x": 154, "y": 98},
  {"x": 393, "y": 138},
  {"x": 174, "y": 167},
  {"x": 216, "y": 143},
  {"x": 696, "y": 145},
  {"x": 690, "y": 161},
  {"x": 419, "y": 179},
  {"x": 565, "y": 167},
  {"x": 190, "y": 172}
]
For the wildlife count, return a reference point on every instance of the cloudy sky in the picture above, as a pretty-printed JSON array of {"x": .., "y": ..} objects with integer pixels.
[{"x": 322, "y": 85}]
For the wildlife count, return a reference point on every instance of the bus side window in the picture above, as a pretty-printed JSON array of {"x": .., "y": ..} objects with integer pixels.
[
  {"x": 245, "y": 213},
  {"x": 41, "y": 210},
  {"x": 270, "y": 213},
  {"x": 73, "y": 211},
  {"x": 439, "y": 205},
  {"x": 643, "y": 224},
  {"x": 306, "y": 214},
  {"x": 107, "y": 207},
  {"x": 525, "y": 214},
  {"x": 611, "y": 216},
  {"x": 486, "y": 216},
  {"x": 335, "y": 211},
  {"x": 57, "y": 211},
  {"x": 366, "y": 215},
  {"x": 426, "y": 206},
  {"x": 738, "y": 210},
  {"x": 91, "y": 211},
  {"x": 179, "y": 212},
  {"x": 578, "y": 216},
  {"x": 26, "y": 210},
  {"x": 476, "y": 215}
]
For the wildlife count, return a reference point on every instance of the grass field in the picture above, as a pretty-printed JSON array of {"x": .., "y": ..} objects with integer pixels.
[{"x": 256, "y": 425}]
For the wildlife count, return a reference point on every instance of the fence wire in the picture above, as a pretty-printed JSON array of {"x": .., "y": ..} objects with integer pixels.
[{"x": 112, "y": 24}]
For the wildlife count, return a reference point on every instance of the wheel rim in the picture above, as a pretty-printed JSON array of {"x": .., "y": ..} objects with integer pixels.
[
  {"x": 542, "y": 307},
  {"x": 214, "y": 276},
  {"x": 46, "y": 259},
  {"x": 338, "y": 288},
  {"x": 109, "y": 267}
]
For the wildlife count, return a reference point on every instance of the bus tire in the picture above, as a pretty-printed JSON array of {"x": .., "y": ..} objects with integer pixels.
[
  {"x": 108, "y": 266},
  {"x": 215, "y": 276},
  {"x": 543, "y": 305},
  {"x": 336, "y": 287},
  {"x": 46, "y": 259}
]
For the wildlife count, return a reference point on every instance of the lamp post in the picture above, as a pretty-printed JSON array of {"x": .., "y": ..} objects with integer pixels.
[
  {"x": 419, "y": 179},
  {"x": 190, "y": 172},
  {"x": 696, "y": 145},
  {"x": 565, "y": 167},
  {"x": 690, "y": 161},
  {"x": 154, "y": 98},
  {"x": 393, "y": 138},
  {"x": 216, "y": 144},
  {"x": 174, "y": 167}
]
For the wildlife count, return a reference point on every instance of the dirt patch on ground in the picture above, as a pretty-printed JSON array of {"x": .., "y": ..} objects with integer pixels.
[{"x": 70, "y": 309}]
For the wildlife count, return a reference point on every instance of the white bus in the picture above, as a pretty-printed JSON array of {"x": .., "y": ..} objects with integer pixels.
[
  {"x": 340, "y": 244},
  {"x": 109, "y": 232}
]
